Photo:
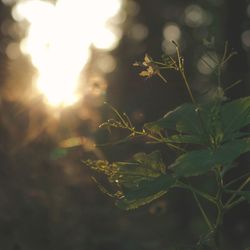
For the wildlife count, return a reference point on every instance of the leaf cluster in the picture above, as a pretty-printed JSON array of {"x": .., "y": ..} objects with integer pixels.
[{"x": 217, "y": 128}]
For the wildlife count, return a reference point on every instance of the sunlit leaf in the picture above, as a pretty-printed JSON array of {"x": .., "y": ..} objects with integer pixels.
[
  {"x": 137, "y": 182},
  {"x": 146, "y": 192},
  {"x": 137, "y": 64},
  {"x": 87, "y": 143},
  {"x": 152, "y": 160},
  {"x": 201, "y": 161},
  {"x": 144, "y": 73},
  {"x": 129, "y": 204},
  {"x": 147, "y": 59}
]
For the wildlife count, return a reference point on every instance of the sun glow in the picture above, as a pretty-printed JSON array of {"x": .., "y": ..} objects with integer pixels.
[{"x": 59, "y": 39}]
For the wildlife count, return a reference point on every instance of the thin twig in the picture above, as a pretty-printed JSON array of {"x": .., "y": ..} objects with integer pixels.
[
  {"x": 232, "y": 85},
  {"x": 237, "y": 179},
  {"x": 210, "y": 226},
  {"x": 239, "y": 189}
]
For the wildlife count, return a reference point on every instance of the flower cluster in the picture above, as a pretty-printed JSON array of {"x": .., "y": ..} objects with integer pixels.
[{"x": 150, "y": 68}]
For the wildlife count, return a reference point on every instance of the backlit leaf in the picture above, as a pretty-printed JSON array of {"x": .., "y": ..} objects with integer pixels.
[
  {"x": 183, "y": 119},
  {"x": 137, "y": 182},
  {"x": 194, "y": 125},
  {"x": 146, "y": 192}
]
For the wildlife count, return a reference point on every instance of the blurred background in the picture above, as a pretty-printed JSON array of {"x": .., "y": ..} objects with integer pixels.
[{"x": 60, "y": 60}]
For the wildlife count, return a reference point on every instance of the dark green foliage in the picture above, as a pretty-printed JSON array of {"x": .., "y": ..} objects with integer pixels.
[
  {"x": 214, "y": 125},
  {"x": 214, "y": 128},
  {"x": 209, "y": 123},
  {"x": 186, "y": 121},
  {"x": 196, "y": 125},
  {"x": 235, "y": 115},
  {"x": 183, "y": 119},
  {"x": 201, "y": 161}
]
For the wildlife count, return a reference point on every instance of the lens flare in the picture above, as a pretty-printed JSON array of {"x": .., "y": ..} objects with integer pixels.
[{"x": 59, "y": 39}]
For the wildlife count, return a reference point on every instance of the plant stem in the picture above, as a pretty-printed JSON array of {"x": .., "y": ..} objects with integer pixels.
[
  {"x": 215, "y": 229},
  {"x": 180, "y": 68},
  {"x": 239, "y": 189},
  {"x": 188, "y": 87},
  {"x": 209, "y": 224},
  {"x": 196, "y": 191},
  {"x": 218, "y": 225},
  {"x": 232, "y": 85},
  {"x": 220, "y": 208},
  {"x": 155, "y": 138},
  {"x": 235, "y": 203},
  {"x": 219, "y": 75},
  {"x": 162, "y": 77},
  {"x": 237, "y": 179}
]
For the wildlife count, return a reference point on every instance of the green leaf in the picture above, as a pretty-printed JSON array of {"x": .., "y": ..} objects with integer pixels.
[
  {"x": 201, "y": 161},
  {"x": 129, "y": 204},
  {"x": 137, "y": 182},
  {"x": 145, "y": 192},
  {"x": 194, "y": 139},
  {"x": 153, "y": 161},
  {"x": 194, "y": 125},
  {"x": 183, "y": 119},
  {"x": 214, "y": 123},
  {"x": 235, "y": 115}
]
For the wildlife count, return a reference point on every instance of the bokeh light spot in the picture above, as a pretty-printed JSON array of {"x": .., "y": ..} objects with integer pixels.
[
  {"x": 172, "y": 32},
  {"x": 133, "y": 8},
  {"x": 106, "y": 63},
  {"x": 245, "y": 38},
  {"x": 248, "y": 10},
  {"x": 138, "y": 32},
  {"x": 168, "y": 47},
  {"x": 59, "y": 38},
  {"x": 8, "y": 2},
  {"x": 207, "y": 63},
  {"x": 195, "y": 16},
  {"x": 106, "y": 38},
  {"x": 13, "y": 51},
  {"x": 11, "y": 31}
]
